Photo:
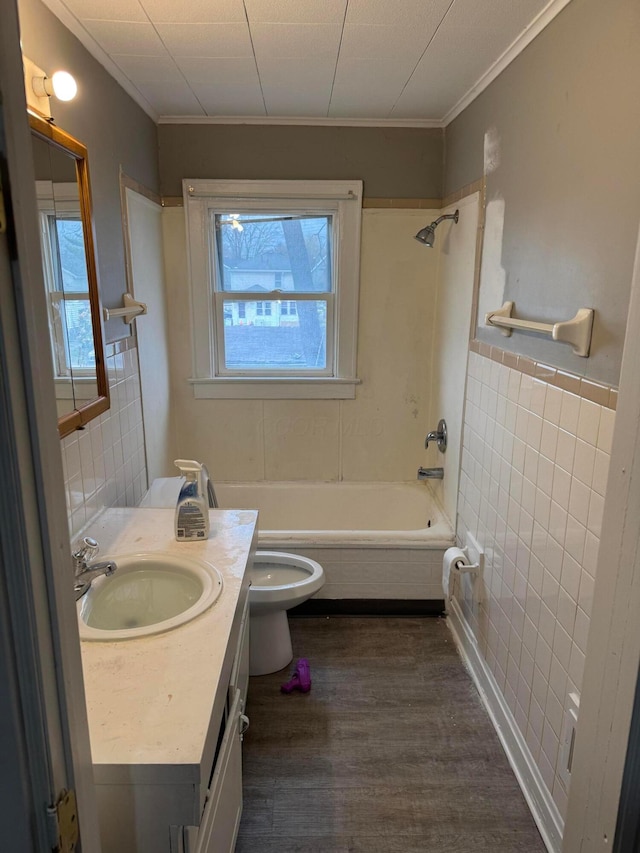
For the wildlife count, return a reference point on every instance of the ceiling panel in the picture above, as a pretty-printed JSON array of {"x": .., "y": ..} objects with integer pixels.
[
  {"x": 297, "y": 72},
  {"x": 295, "y": 40},
  {"x": 107, "y": 10},
  {"x": 240, "y": 101},
  {"x": 206, "y": 40},
  {"x": 149, "y": 69},
  {"x": 288, "y": 83},
  {"x": 172, "y": 98},
  {"x": 296, "y": 11},
  {"x": 367, "y": 41},
  {"x": 287, "y": 102},
  {"x": 372, "y": 85},
  {"x": 224, "y": 86},
  {"x": 417, "y": 13},
  {"x": 413, "y": 59},
  {"x": 120, "y": 37},
  {"x": 192, "y": 11},
  {"x": 438, "y": 83}
]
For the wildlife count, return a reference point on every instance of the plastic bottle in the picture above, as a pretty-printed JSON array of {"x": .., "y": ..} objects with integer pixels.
[{"x": 192, "y": 511}]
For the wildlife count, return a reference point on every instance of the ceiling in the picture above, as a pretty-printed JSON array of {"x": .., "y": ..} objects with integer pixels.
[{"x": 388, "y": 61}]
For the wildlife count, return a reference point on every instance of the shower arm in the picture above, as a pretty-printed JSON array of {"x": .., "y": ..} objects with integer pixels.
[{"x": 440, "y": 219}]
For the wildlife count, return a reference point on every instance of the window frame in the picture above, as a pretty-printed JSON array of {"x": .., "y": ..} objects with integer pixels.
[
  {"x": 65, "y": 205},
  {"x": 340, "y": 199}
]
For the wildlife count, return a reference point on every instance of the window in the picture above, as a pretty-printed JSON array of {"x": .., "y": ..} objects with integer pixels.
[
  {"x": 65, "y": 272},
  {"x": 274, "y": 269}
]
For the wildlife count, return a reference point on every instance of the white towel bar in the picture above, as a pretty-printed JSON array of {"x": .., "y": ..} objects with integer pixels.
[
  {"x": 576, "y": 331},
  {"x": 130, "y": 310}
]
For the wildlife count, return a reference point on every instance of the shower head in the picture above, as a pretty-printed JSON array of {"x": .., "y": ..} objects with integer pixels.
[{"x": 427, "y": 235}]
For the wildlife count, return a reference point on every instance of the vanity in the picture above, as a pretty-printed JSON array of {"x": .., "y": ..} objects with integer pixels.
[{"x": 166, "y": 711}]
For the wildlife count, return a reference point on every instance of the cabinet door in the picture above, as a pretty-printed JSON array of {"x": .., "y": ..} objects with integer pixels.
[
  {"x": 240, "y": 672},
  {"x": 221, "y": 816}
]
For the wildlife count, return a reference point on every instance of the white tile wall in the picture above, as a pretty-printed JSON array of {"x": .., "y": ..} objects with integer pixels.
[
  {"x": 104, "y": 465},
  {"x": 534, "y": 470}
]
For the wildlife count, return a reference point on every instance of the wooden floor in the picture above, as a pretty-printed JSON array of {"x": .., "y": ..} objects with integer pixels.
[{"x": 390, "y": 752}]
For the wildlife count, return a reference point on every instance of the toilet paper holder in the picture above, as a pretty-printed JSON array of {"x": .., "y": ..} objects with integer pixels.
[
  {"x": 469, "y": 567},
  {"x": 467, "y": 560}
]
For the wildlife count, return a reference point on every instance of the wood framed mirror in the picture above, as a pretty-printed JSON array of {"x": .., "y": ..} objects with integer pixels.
[{"x": 70, "y": 275}]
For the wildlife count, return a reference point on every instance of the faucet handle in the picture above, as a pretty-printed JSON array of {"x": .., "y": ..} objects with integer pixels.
[
  {"x": 439, "y": 436},
  {"x": 86, "y": 549}
]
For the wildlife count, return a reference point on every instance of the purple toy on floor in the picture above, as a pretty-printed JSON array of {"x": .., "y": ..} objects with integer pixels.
[{"x": 301, "y": 678}]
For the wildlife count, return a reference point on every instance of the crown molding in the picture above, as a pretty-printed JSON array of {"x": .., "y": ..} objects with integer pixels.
[
  {"x": 311, "y": 121},
  {"x": 62, "y": 13},
  {"x": 542, "y": 20}
]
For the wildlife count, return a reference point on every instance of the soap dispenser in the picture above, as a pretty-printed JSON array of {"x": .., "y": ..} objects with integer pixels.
[{"x": 192, "y": 511}]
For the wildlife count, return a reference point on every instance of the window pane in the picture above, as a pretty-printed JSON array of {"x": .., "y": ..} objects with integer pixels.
[
  {"x": 263, "y": 252},
  {"x": 79, "y": 334},
  {"x": 73, "y": 265},
  {"x": 276, "y": 340}
]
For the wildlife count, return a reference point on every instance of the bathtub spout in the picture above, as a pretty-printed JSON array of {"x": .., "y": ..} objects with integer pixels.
[{"x": 430, "y": 473}]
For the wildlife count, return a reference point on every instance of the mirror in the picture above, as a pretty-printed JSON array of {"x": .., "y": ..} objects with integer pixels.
[{"x": 70, "y": 275}]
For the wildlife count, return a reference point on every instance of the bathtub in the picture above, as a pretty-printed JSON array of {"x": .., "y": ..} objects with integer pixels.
[{"x": 374, "y": 540}]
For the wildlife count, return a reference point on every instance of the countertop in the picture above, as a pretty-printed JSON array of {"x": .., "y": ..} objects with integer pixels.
[{"x": 154, "y": 703}]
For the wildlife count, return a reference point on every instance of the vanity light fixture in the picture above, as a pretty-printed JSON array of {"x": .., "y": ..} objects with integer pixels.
[
  {"x": 61, "y": 84},
  {"x": 40, "y": 86}
]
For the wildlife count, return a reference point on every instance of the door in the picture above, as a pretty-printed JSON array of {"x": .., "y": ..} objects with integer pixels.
[{"x": 44, "y": 739}]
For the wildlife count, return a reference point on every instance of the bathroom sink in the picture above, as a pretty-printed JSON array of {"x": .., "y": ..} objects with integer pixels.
[{"x": 148, "y": 593}]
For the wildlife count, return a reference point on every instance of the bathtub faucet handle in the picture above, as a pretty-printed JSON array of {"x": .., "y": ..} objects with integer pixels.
[{"x": 439, "y": 436}]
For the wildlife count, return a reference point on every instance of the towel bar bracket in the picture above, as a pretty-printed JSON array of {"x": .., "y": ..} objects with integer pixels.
[
  {"x": 576, "y": 331},
  {"x": 131, "y": 309}
]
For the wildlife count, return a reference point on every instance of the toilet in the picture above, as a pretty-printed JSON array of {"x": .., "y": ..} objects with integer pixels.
[{"x": 279, "y": 582}]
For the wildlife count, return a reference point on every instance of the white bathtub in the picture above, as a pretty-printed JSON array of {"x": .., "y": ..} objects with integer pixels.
[
  {"x": 374, "y": 540},
  {"x": 342, "y": 514}
]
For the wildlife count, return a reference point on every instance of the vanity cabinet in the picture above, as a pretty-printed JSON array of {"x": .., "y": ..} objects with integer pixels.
[
  {"x": 223, "y": 807},
  {"x": 176, "y": 815},
  {"x": 166, "y": 712}
]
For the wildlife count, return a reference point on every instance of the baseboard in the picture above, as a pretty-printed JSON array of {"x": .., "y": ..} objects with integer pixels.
[
  {"x": 369, "y": 607},
  {"x": 544, "y": 810}
]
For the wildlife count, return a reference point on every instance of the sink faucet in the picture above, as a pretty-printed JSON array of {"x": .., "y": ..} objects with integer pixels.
[
  {"x": 85, "y": 572},
  {"x": 430, "y": 473}
]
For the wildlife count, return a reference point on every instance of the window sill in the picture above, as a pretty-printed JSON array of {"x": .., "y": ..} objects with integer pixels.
[{"x": 250, "y": 388}]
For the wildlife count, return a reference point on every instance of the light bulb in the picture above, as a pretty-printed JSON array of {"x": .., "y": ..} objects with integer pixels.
[{"x": 64, "y": 86}]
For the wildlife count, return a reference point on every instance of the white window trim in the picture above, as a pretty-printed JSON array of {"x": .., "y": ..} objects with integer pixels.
[{"x": 344, "y": 199}]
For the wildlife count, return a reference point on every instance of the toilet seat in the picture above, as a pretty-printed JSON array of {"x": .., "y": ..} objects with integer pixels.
[{"x": 279, "y": 581}]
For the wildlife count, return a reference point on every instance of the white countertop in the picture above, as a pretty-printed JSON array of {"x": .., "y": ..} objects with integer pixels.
[{"x": 150, "y": 701}]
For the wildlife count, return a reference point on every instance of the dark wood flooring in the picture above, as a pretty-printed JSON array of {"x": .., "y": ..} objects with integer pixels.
[{"x": 390, "y": 752}]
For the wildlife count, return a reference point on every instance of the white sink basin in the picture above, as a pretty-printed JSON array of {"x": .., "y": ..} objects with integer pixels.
[{"x": 149, "y": 593}]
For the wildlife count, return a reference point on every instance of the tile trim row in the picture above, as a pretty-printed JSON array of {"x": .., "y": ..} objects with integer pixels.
[
  {"x": 121, "y": 345},
  {"x": 603, "y": 395}
]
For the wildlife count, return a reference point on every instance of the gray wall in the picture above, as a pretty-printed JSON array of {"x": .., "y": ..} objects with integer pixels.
[
  {"x": 112, "y": 126},
  {"x": 567, "y": 115},
  {"x": 392, "y": 162}
]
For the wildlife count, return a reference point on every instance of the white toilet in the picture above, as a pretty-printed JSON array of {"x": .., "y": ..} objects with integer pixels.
[{"x": 278, "y": 582}]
